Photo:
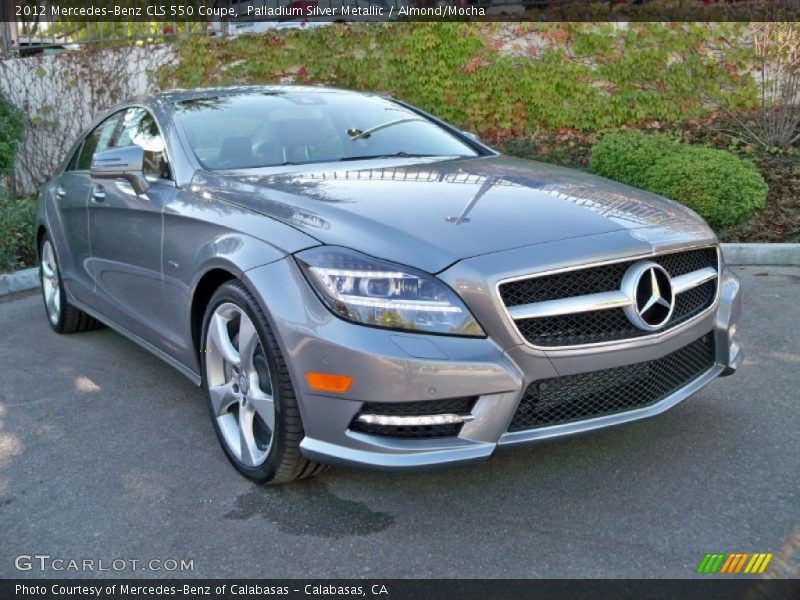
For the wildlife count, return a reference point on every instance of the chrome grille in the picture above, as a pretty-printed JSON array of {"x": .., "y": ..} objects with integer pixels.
[
  {"x": 608, "y": 324},
  {"x": 693, "y": 301},
  {"x": 598, "y": 393}
]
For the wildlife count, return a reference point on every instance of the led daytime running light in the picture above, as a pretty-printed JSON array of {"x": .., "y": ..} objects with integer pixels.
[
  {"x": 428, "y": 305},
  {"x": 418, "y": 421}
]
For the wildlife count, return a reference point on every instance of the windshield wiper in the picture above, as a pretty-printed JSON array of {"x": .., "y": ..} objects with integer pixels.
[
  {"x": 395, "y": 155},
  {"x": 357, "y": 134}
]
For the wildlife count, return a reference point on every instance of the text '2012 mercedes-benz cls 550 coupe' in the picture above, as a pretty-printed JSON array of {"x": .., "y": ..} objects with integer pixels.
[{"x": 354, "y": 281}]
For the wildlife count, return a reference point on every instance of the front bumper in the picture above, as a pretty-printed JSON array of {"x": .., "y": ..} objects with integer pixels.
[{"x": 391, "y": 366}]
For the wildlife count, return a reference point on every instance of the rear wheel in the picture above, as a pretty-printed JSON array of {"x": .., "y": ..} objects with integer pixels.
[
  {"x": 62, "y": 316},
  {"x": 250, "y": 396}
]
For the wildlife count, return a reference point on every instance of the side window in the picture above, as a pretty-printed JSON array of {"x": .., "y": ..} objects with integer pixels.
[
  {"x": 97, "y": 141},
  {"x": 140, "y": 128},
  {"x": 73, "y": 162}
]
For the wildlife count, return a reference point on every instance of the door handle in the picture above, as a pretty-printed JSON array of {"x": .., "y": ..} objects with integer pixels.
[
  {"x": 98, "y": 193},
  {"x": 60, "y": 192}
]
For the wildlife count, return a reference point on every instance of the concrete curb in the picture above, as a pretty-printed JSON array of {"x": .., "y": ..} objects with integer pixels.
[
  {"x": 761, "y": 254},
  {"x": 735, "y": 254},
  {"x": 27, "y": 279}
]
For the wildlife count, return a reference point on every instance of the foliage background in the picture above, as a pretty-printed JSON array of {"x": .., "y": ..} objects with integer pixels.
[
  {"x": 546, "y": 91},
  {"x": 60, "y": 95},
  {"x": 11, "y": 129},
  {"x": 16, "y": 231},
  {"x": 554, "y": 76}
]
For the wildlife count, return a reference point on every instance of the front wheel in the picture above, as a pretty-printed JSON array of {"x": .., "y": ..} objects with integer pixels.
[{"x": 250, "y": 396}]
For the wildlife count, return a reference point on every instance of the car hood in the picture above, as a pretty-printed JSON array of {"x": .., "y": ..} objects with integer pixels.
[{"x": 432, "y": 213}]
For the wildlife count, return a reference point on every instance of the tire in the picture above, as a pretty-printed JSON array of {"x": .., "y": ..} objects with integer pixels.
[
  {"x": 62, "y": 316},
  {"x": 251, "y": 399}
]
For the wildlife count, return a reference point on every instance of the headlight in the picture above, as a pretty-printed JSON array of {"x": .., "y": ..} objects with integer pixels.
[{"x": 370, "y": 291}]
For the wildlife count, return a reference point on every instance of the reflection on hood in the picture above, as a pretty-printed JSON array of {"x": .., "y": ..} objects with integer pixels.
[{"x": 432, "y": 213}]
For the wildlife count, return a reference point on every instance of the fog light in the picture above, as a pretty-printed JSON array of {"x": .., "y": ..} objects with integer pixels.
[
  {"x": 326, "y": 382},
  {"x": 419, "y": 421}
]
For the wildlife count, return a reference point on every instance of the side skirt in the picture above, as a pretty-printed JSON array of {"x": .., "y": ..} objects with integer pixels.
[{"x": 179, "y": 366}]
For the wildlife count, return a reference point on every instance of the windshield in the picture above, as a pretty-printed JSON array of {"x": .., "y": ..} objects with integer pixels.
[{"x": 261, "y": 129}]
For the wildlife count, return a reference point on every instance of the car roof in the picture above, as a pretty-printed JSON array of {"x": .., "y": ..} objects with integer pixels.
[{"x": 178, "y": 95}]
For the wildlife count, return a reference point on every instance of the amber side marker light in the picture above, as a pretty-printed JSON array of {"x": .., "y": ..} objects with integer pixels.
[{"x": 325, "y": 382}]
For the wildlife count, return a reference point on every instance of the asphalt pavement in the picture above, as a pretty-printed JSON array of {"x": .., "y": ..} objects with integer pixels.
[{"x": 107, "y": 454}]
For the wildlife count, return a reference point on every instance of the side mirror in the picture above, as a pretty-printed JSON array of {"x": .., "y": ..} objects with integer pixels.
[
  {"x": 121, "y": 163},
  {"x": 472, "y": 136}
]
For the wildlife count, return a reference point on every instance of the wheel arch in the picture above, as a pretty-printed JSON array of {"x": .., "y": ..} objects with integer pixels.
[
  {"x": 213, "y": 263},
  {"x": 208, "y": 283},
  {"x": 41, "y": 231}
]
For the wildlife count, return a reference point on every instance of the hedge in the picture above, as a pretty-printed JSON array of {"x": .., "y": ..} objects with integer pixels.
[
  {"x": 722, "y": 188},
  {"x": 627, "y": 157},
  {"x": 11, "y": 128},
  {"x": 17, "y": 216}
]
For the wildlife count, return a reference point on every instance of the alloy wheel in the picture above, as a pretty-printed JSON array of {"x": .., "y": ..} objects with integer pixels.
[
  {"x": 239, "y": 384},
  {"x": 50, "y": 283}
]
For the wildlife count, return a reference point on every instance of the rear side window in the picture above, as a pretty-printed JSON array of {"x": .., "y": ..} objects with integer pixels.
[
  {"x": 73, "y": 162},
  {"x": 98, "y": 140}
]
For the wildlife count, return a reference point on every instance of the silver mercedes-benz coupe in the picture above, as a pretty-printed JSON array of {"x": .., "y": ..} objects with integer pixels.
[{"x": 354, "y": 281}]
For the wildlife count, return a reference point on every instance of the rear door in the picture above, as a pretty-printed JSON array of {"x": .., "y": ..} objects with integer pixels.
[
  {"x": 71, "y": 199},
  {"x": 126, "y": 232}
]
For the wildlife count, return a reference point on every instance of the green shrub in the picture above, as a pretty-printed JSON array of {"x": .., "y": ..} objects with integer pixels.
[
  {"x": 723, "y": 189},
  {"x": 627, "y": 156},
  {"x": 10, "y": 134},
  {"x": 17, "y": 217}
]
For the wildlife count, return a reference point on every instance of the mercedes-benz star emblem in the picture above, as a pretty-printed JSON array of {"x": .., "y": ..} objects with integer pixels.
[
  {"x": 649, "y": 287},
  {"x": 244, "y": 384}
]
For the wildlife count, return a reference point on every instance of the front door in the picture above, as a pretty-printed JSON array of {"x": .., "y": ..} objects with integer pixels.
[{"x": 126, "y": 232}]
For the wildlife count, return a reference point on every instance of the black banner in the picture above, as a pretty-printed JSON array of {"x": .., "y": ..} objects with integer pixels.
[
  {"x": 126, "y": 11},
  {"x": 405, "y": 589}
]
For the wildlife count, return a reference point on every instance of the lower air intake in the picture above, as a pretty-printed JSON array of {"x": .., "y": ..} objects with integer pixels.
[{"x": 599, "y": 393}]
